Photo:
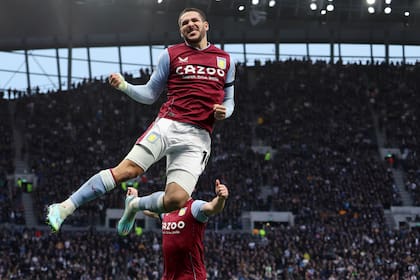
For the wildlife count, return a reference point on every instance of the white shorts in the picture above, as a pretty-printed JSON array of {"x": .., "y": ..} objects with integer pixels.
[{"x": 186, "y": 147}]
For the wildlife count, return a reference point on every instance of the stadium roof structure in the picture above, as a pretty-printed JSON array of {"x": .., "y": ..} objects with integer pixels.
[{"x": 42, "y": 24}]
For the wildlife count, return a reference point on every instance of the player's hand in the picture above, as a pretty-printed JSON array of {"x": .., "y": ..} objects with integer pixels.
[
  {"x": 221, "y": 190},
  {"x": 132, "y": 191},
  {"x": 117, "y": 81},
  {"x": 151, "y": 214},
  {"x": 219, "y": 112}
]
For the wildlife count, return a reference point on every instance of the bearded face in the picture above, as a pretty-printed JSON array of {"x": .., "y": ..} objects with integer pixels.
[{"x": 193, "y": 29}]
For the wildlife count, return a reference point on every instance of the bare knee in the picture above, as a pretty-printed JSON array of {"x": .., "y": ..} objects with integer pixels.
[
  {"x": 126, "y": 170},
  {"x": 175, "y": 197}
]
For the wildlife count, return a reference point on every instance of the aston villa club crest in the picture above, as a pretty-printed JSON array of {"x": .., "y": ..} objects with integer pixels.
[
  {"x": 152, "y": 137},
  {"x": 221, "y": 62},
  {"x": 182, "y": 211}
]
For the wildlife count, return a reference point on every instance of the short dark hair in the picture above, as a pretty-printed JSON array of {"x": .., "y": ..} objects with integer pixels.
[{"x": 186, "y": 10}]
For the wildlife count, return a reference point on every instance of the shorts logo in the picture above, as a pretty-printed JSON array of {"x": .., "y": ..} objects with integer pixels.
[
  {"x": 152, "y": 137},
  {"x": 182, "y": 211},
  {"x": 221, "y": 62}
]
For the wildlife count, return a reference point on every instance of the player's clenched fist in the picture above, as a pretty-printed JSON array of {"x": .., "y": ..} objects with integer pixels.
[
  {"x": 219, "y": 112},
  {"x": 117, "y": 81}
]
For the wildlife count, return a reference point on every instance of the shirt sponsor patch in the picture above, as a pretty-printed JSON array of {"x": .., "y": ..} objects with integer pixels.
[
  {"x": 152, "y": 137},
  {"x": 221, "y": 62}
]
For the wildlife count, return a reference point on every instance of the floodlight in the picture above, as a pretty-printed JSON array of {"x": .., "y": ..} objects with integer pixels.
[
  {"x": 330, "y": 7},
  {"x": 272, "y": 3},
  {"x": 387, "y": 10},
  {"x": 388, "y": 2},
  {"x": 255, "y": 2},
  {"x": 313, "y": 6},
  {"x": 371, "y": 10},
  {"x": 406, "y": 13},
  {"x": 323, "y": 12},
  {"x": 370, "y": 2}
]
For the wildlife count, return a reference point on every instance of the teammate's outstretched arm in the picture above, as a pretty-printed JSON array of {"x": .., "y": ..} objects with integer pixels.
[{"x": 217, "y": 204}]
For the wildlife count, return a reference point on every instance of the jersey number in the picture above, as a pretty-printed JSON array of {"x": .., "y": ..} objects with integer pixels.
[{"x": 205, "y": 158}]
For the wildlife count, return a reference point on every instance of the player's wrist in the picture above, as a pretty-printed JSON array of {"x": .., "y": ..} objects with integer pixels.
[{"x": 123, "y": 84}]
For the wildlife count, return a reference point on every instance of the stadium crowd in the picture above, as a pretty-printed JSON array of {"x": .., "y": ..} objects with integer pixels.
[
  {"x": 302, "y": 139},
  {"x": 318, "y": 251},
  {"x": 397, "y": 106},
  {"x": 11, "y": 208}
]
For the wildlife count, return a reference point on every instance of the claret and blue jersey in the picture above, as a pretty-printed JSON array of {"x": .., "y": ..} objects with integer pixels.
[
  {"x": 195, "y": 81},
  {"x": 182, "y": 242}
]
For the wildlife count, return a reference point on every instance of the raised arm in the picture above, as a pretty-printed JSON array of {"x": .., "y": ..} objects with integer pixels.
[
  {"x": 217, "y": 204},
  {"x": 148, "y": 93}
]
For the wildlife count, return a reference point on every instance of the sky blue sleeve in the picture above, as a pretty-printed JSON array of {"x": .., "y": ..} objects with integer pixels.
[
  {"x": 229, "y": 101},
  {"x": 150, "y": 92},
  {"x": 196, "y": 211}
]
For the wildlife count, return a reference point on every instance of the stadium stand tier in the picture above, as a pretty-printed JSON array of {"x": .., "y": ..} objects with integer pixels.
[{"x": 307, "y": 138}]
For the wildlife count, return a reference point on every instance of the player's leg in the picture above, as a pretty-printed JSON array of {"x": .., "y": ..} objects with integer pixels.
[
  {"x": 143, "y": 154},
  {"x": 152, "y": 202},
  {"x": 176, "y": 194},
  {"x": 186, "y": 160},
  {"x": 99, "y": 184},
  {"x": 150, "y": 148},
  {"x": 174, "y": 197},
  {"x": 185, "y": 163}
]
